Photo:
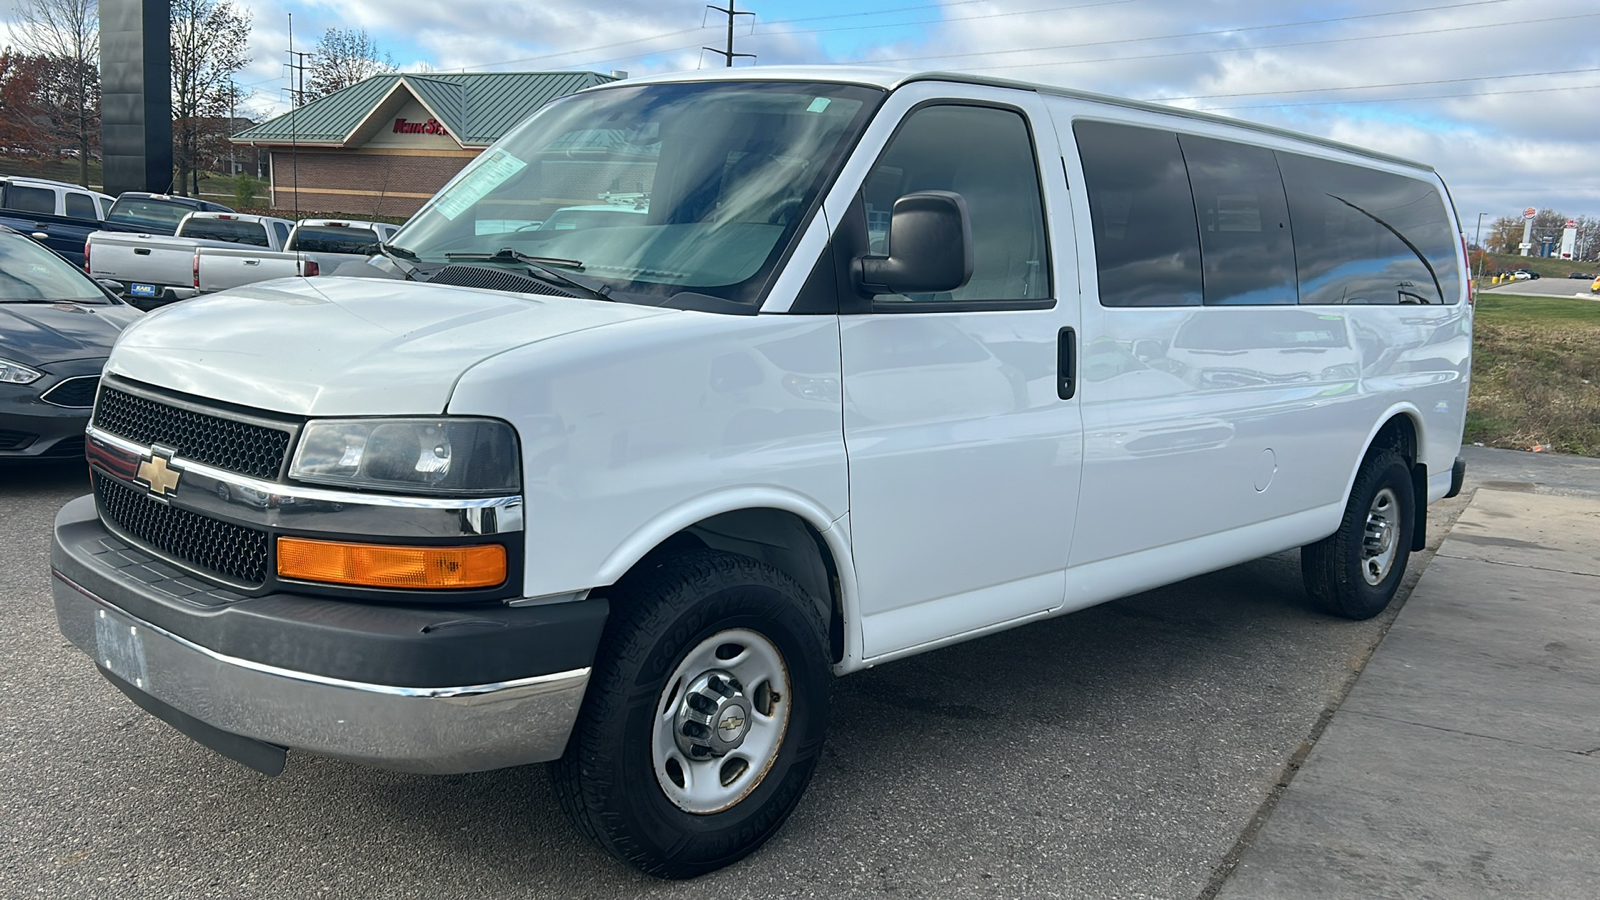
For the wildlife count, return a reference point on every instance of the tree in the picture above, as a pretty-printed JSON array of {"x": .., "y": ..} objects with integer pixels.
[
  {"x": 209, "y": 43},
  {"x": 66, "y": 33},
  {"x": 343, "y": 57}
]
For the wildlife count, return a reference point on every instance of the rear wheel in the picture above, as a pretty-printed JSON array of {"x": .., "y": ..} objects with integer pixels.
[
  {"x": 1356, "y": 571},
  {"x": 705, "y": 716}
]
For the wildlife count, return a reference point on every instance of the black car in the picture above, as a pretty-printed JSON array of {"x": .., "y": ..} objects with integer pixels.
[{"x": 57, "y": 326}]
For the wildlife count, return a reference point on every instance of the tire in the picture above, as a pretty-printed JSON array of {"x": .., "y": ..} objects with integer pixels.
[
  {"x": 1352, "y": 573},
  {"x": 707, "y": 638}
]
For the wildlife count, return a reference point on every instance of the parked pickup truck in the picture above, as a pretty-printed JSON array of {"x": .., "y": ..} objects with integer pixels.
[
  {"x": 56, "y": 214},
  {"x": 140, "y": 211},
  {"x": 158, "y": 269},
  {"x": 315, "y": 246}
]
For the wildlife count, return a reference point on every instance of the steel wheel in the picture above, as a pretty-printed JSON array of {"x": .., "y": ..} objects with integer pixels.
[
  {"x": 720, "y": 721},
  {"x": 1381, "y": 538}
]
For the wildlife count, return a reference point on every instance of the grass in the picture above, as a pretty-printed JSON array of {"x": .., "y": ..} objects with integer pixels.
[{"x": 1536, "y": 374}]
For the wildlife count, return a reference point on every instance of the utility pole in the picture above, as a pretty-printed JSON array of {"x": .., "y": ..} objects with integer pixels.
[
  {"x": 300, "y": 70},
  {"x": 730, "y": 12}
]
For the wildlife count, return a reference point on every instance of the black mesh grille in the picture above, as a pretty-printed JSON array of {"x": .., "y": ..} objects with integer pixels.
[
  {"x": 77, "y": 393},
  {"x": 494, "y": 280},
  {"x": 254, "y": 450},
  {"x": 232, "y": 551}
]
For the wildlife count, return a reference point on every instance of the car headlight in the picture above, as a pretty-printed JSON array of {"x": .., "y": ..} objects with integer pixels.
[
  {"x": 17, "y": 373},
  {"x": 434, "y": 456}
]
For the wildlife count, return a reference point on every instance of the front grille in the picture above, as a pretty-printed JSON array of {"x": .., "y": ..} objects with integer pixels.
[
  {"x": 491, "y": 279},
  {"x": 74, "y": 393},
  {"x": 243, "y": 447},
  {"x": 233, "y": 551},
  {"x": 15, "y": 440}
]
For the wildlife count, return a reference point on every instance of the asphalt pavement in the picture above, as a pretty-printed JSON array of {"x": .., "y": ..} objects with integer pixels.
[
  {"x": 1547, "y": 287},
  {"x": 1139, "y": 749}
]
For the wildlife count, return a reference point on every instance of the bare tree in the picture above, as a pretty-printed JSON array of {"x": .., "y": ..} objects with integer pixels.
[
  {"x": 67, "y": 32},
  {"x": 209, "y": 44},
  {"x": 343, "y": 57}
]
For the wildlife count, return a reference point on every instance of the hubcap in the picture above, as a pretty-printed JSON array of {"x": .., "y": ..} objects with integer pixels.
[
  {"x": 1381, "y": 539},
  {"x": 720, "y": 721}
]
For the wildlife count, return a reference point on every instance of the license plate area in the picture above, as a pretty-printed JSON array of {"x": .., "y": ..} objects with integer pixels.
[
  {"x": 142, "y": 290},
  {"x": 119, "y": 649}
]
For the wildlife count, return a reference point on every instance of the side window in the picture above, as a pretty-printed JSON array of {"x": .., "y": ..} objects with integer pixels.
[
  {"x": 281, "y": 229},
  {"x": 105, "y": 206},
  {"x": 1364, "y": 236},
  {"x": 81, "y": 205},
  {"x": 1246, "y": 250},
  {"x": 31, "y": 199},
  {"x": 985, "y": 155},
  {"x": 1146, "y": 245}
]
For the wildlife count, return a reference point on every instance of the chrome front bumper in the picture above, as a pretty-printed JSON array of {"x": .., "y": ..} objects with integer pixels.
[{"x": 437, "y": 730}]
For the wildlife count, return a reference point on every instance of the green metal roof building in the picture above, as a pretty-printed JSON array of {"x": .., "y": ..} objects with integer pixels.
[{"x": 385, "y": 145}]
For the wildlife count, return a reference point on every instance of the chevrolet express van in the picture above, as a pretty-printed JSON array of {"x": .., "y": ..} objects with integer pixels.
[{"x": 884, "y": 362}]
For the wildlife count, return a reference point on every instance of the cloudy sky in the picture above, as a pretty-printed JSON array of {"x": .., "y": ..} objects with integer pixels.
[{"x": 1500, "y": 95}]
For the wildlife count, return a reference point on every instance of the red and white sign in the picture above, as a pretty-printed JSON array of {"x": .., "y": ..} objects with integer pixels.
[
  {"x": 1528, "y": 213},
  {"x": 1572, "y": 223},
  {"x": 432, "y": 126}
]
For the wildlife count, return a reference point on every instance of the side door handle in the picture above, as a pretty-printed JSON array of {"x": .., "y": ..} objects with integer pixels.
[{"x": 1066, "y": 364}]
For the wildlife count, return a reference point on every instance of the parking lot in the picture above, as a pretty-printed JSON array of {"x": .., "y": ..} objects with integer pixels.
[{"x": 1119, "y": 752}]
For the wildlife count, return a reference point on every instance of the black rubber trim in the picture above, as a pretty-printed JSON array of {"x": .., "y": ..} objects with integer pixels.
[
  {"x": 443, "y": 645},
  {"x": 268, "y": 759},
  {"x": 1419, "y": 493},
  {"x": 1458, "y": 477}
]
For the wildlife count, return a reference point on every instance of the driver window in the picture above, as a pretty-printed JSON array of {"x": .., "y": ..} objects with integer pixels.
[{"x": 985, "y": 155}]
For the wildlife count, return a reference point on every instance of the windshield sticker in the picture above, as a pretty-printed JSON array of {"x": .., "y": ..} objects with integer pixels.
[
  {"x": 818, "y": 105},
  {"x": 493, "y": 171}
]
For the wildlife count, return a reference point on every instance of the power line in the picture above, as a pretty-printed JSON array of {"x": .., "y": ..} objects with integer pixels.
[
  {"x": 1578, "y": 87},
  {"x": 1254, "y": 47},
  {"x": 1369, "y": 87},
  {"x": 1208, "y": 33}
]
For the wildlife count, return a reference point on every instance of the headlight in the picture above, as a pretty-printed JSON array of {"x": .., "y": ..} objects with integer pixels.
[
  {"x": 433, "y": 456},
  {"x": 17, "y": 373}
]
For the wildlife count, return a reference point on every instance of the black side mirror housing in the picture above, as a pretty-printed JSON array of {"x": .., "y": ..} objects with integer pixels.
[{"x": 930, "y": 247}]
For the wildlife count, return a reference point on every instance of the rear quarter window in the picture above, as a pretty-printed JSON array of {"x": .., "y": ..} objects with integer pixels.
[
  {"x": 30, "y": 199},
  {"x": 81, "y": 206},
  {"x": 1365, "y": 236}
]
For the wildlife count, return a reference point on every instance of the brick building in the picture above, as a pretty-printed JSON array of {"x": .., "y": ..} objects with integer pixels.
[{"x": 383, "y": 146}]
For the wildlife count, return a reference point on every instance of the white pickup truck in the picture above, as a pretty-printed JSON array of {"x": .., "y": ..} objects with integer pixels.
[
  {"x": 158, "y": 269},
  {"x": 315, "y": 246}
]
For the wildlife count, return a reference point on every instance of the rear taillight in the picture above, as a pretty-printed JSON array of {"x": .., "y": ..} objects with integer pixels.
[
  {"x": 196, "y": 270},
  {"x": 1472, "y": 284},
  {"x": 312, "y": 269},
  {"x": 86, "y": 257}
]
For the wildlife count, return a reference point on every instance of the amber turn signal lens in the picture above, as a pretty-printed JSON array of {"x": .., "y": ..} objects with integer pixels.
[{"x": 391, "y": 566}]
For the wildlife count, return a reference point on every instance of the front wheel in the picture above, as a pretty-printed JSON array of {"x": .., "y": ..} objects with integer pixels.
[
  {"x": 1355, "y": 572},
  {"x": 705, "y": 716}
]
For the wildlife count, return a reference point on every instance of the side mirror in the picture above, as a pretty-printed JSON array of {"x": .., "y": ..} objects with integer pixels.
[{"x": 930, "y": 247}]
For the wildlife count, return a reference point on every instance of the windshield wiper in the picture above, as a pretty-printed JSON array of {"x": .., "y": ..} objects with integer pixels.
[
  {"x": 544, "y": 265},
  {"x": 400, "y": 254}
]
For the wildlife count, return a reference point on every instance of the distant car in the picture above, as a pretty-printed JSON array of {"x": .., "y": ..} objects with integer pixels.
[
  {"x": 56, "y": 329},
  {"x": 1582, "y": 276},
  {"x": 1524, "y": 275},
  {"x": 1595, "y": 287},
  {"x": 579, "y": 218}
]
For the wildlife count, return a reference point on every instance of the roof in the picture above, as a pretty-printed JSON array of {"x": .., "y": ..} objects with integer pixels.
[{"x": 476, "y": 108}]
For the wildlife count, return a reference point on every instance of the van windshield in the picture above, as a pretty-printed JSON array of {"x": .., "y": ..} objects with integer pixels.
[{"x": 654, "y": 190}]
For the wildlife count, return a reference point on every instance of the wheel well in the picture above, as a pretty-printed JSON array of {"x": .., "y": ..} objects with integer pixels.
[
  {"x": 777, "y": 538},
  {"x": 1400, "y": 432}
]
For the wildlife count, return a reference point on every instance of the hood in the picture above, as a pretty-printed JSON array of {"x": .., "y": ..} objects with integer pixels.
[
  {"x": 344, "y": 346},
  {"x": 38, "y": 334}
]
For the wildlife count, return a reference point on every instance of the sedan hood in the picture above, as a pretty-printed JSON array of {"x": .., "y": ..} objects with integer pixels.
[
  {"x": 344, "y": 346},
  {"x": 38, "y": 334}
]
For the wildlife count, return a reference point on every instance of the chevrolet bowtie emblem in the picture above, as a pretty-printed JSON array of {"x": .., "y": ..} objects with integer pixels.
[{"x": 158, "y": 473}]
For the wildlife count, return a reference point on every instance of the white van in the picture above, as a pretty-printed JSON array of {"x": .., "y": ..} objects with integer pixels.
[{"x": 885, "y": 362}]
